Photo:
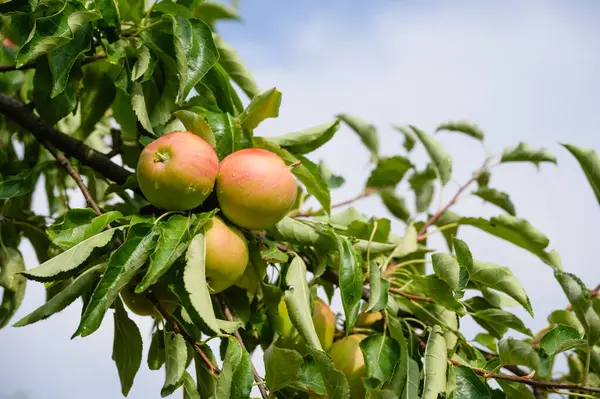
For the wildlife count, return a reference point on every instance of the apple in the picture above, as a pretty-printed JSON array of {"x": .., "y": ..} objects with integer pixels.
[
  {"x": 368, "y": 320},
  {"x": 324, "y": 321},
  {"x": 281, "y": 322},
  {"x": 177, "y": 171},
  {"x": 255, "y": 188},
  {"x": 141, "y": 305},
  {"x": 348, "y": 358},
  {"x": 226, "y": 255}
]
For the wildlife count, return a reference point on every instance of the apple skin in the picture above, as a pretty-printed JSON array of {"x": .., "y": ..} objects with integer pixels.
[
  {"x": 255, "y": 188},
  {"x": 368, "y": 319},
  {"x": 282, "y": 322},
  {"x": 226, "y": 255},
  {"x": 324, "y": 321},
  {"x": 177, "y": 171},
  {"x": 348, "y": 358},
  {"x": 140, "y": 305}
]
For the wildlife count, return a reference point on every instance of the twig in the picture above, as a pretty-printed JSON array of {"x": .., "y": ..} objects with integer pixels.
[
  {"x": 410, "y": 296},
  {"x": 366, "y": 193},
  {"x": 212, "y": 369},
  {"x": 25, "y": 117},
  {"x": 422, "y": 233},
  {"x": 257, "y": 378},
  {"x": 9, "y": 68}
]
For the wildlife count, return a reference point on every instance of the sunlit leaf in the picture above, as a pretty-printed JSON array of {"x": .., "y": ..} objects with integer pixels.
[
  {"x": 409, "y": 137},
  {"x": 389, "y": 171},
  {"x": 350, "y": 281},
  {"x": 561, "y": 338},
  {"x": 11, "y": 264},
  {"x": 513, "y": 351},
  {"x": 197, "y": 125},
  {"x": 497, "y": 198},
  {"x": 78, "y": 225},
  {"x": 307, "y": 140},
  {"x": 235, "y": 67},
  {"x": 366, "y": 131},
  {"x": 462, "y": 126},
  {"x": 235, "y": 380},
  {"x": 590, "y": 164},
  {"x": 176, "y": 358},
  {"x": 525, "y": 153},
  {"x": 441, "y": 161},
  {"x": 282, "y": 366},
  {"x": 381, "y": 355},
  {"x": 498, "y": 321},
  {"x": 436, "y": 362},
  {"x": 469, "y": 385},
  {"x": 264, "y": 105}
]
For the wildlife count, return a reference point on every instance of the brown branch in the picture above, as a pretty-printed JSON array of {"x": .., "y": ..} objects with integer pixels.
[
  {"x": 25, "y": 117},
  {"x": 366, "y": 193},
  {"x": 410, "y": 296},
  {"x": 212, "y": 369},
  {"x": 257, "y": 378},
  {"x": 9, "y": 68}
]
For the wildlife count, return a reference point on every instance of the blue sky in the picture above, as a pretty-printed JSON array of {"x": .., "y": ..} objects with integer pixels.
[{"x": 523, "y": 72}]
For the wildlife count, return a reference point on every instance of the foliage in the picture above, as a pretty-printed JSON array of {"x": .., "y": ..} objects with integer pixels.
[{"x": 118, "y": 72}]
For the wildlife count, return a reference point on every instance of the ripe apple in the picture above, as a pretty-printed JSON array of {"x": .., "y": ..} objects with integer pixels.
[
  {"x": 177, "y": 171},
  {"x": 324, "y": 321},
  {"x": 348, "y": 358},
  {"x": 226, "y": 255},
  {"x": 255, "y": 188},
  {"x": 368, "y": 320},
  {"x": 141, "y": 305}
]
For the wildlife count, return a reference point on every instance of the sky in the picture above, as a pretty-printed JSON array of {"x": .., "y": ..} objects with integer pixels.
[{"x": 523, "y": 72}]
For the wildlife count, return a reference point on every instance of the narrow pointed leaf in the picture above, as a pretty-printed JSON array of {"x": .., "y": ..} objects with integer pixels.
[
  {"x": 336, "y": 384},
  {"x": 138, "y": 102},
  {"x": 461, "y": 126},
  {"x": 297, "y": 232},
  {"x": 469, "y": 385},
  {"x": 439, "y": 291},
  {"x": 79, "y": 225},
  {"x": 263, "y": 106},
  {"x": 189, "y": 387},
  {"x": 447, "y": 268},
  {"x": 513, "y": 351},
  {"x": 590, "y": 164},
  {"x": 389, "y": 171},
  {"x": 525, "y": 153},
  {"x": 436, "y": 363},
  {"x": 350, "y": 281},
  {"x": 366, "y": 131},
  {"x": 497, "y": 198},
  {"x": 157, "y": 350},
  {"x": 515, "y": 390},
  {"x": 235, "y": 67},
  {"x": 307, "y": 140},
  {"x": 409, "y": 137},
  {"x": 395, "y": 204},
  {"x": 282, "y": 366},
  {"x": 196, "y": 124},
  {"x": 11, "y": 264},
  {"x": 561, "y": 338},
  {"x": 381, "y": 355},
  {"x": 127, "y": 348},
  {"x": 177, "y": 355},
  {"x": 498, "y": 321},
  {"x": 411, "y": 389},
  {"x": 440, "y": 159},
  {"x": 235, "y": 380}
]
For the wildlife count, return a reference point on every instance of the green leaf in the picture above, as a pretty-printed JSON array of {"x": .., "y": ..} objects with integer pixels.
[
  {"x": 486, "y": 340},
  {"x": 176, "y": 358},
  {"x": 561, "y": 338},
  {"x": 366, "y": 131},
  {"x": 333, "y": 181},
  {"x": 590, "y": 164},
  {"x": 513, "y": 351},
  {"x": 462, "y": 126},
  {"x": 307, "y": 140},
  {"x": 228, "y": 134},
  {"x": 274, "y": 255},
  {"x": 409, "y": 137},
  {"x": 62, "y": 59},
  {"x": 54, "y": 30},
  {"x": 562, "y": 316},
  {"x": 422, "y": 183},
  {"x": 235, "y": 380},
  {"x": 297, "y": 232},
  {"x": 157, "y": 350},
  {"x": 52, "y": 110},
  {"x": 578, "y": 296},
  {"x": 138, "y": 102},
  {"x": 263, "y": 106},
  {"x": 63, "y": 264},
  {"x": 142, "y": 62},
  {"x": 381, "y": 394},
  {"x": 524, "y": 153},
  {"x": 438, "y": 290},
  {"x": 435, "y": 365},
  {"x": 497, "y": 198},
  {"x": 389, "y": 171},
  {"x": 447, "y": 268},
  {"x": 235, "y": 67},
  {"x": 211, "y": 11},
  {"x": 515, "y": 390},
  {"x": 131, "y": 10},
  {"x": 411, "y": 389},
  {"x": 197, "y": 125},
  {"x": 194, "y": 279},
  {"x": 172, "y": 242},
  {"x": 498, "y": 321},
  {"x": 350, "y": 281},
  {"x": 441, "y": 161},
  {"x": 407, "y": 244},
  {"x": 189, "y": 387},
  {"x": 127, "y": 348},
  {"x": 336, "y": 384},
  {"x": 469, "y": 385},
  {"x": 395, "y": 204},
  {"x": 381, "y": 355},
  {"x": 195, "y": 52},
  {"x": 310, "y": 378},
  {"x": 501, "y": 279},
  {"x": 11, "y": 264},
  {"x": 282, "y": 366},
  {"x": 206, "y": 383},
  {"x": 78, "y": 225},
  {"x": 21, "y": 184},
  {"x": 122, "y": 266},
  {"x": 65, "y": 297},
  {"x": 297, "y": 300},
  {"x": 96, "y": 97}
]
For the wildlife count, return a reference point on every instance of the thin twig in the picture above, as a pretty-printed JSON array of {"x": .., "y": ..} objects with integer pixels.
[
  {"x": 9, "y": 68},
  {"x": 366, "y": 193},
  {"x": 257, "y": 378},
  {"x": 410, "y": 296}
]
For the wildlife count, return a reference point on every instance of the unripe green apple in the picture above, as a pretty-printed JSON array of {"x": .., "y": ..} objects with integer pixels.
[
  {"x": 368, "y": 319},
  {"x": 255, "y": 188},
  {"x": 324, "y": 321},
  {"x": 141, "y": 305},
  {"x": 226, "y": 255},
  {"x": 177, "y": 171},
  {"x": 348, "y": 358}
]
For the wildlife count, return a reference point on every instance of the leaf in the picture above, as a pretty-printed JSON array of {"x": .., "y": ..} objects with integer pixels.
[
  {"x": 497, "y": 198},
  {"x": 381, "y": 355},
  {"x": 441, "y": 161},
  {"x": 228, "y": 134},
  {"x": 307, "y": 140},
  {"x": 142, "y": 62},
  {"x": 513, "y": 351},
  {"x": 53, "y": 109},
  {"x": 197, "y": 125},
  {"x": 462, "y": 126},
  {"x": 562, "y": 316},
  {"x": 578, "y": 296},
  {"x": 498, "y": 321},
  {"x": 282, "y": 366},
  {"x": 469, "y": 385},
  {"x": 408, "y": 244},
  {"x": 96, "y": 97},
  {"x": 333, "y": 181},
  {"x": 194, "y": 279},
  {"x": 515, "y": 390},
  {"x": 235, "y": 67},
  {"x": 122, "y": 266},
  {"x": 78, "y": 225},
  {"x": 524, "y": 153},
  {"x": 195, "y": 52},
  {"x": 439, "y": 291},
  {"x": 263, "y": 106},
  {"x": 395, "y": 204},
  {"x": 274, "y": 255},
  {"x": 422, "y": 183},
  {"x": 366, "y": 131},
  {"x": 297, "y": 232},
  {"x": 411, "y": 389},
  {"x": 62, "y": 59},
  {"x": 502, "y": 279},
  {"x": 138, "y": 102},
  {"x": 235, "y": 380},
  {"x": 62, "y": 264},
  {"x": 64, "y": 298},
  {"x": 389, "y": 171},
  {"x": 127, "y": 348},
  {"x": 21, "y": 184},
  {"x": 381, "y": 394},
  {"x": 205, "y": 382},
  {"x": 561, "y": 338},
  {"x": 336, "y": 384},
  {"x": 350, "y": 281},
  {"x": 177, "y": 355},
  {"x": 189, "y": 387},
  {"x": 172, "y": 242},
  {"x": 297, "y": 300},
  {"x": 590, "y": 164},
  {"x": 409, "y": 137},
  {"x": 157, "y": 350},
  {"x": 210, "y": 11},
  {"x": 11, "y": 264},
  {"x": 447, "y": 268},
  {"x": 435, "y": 365}
]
